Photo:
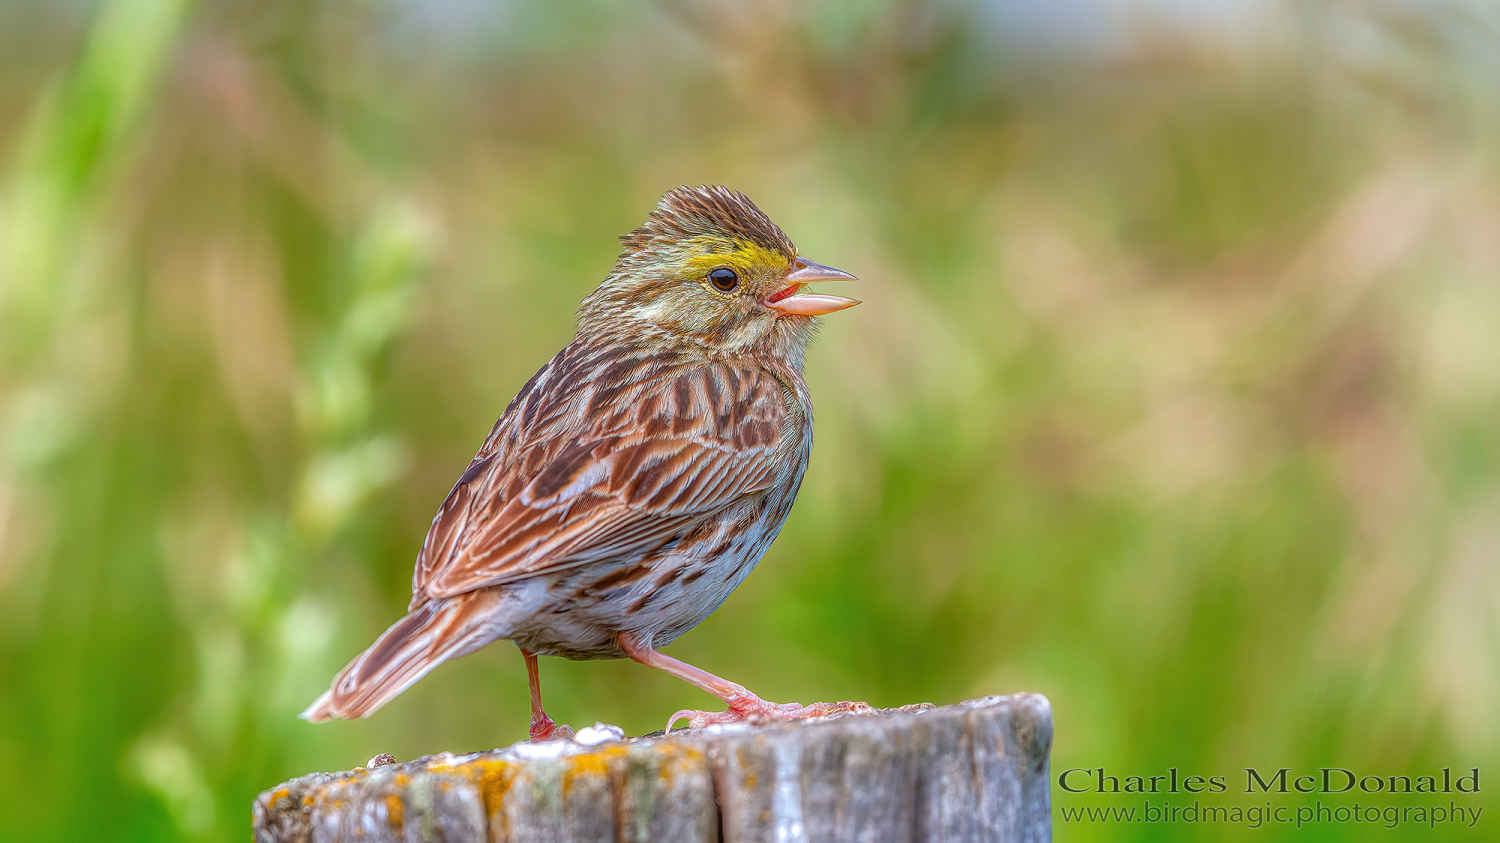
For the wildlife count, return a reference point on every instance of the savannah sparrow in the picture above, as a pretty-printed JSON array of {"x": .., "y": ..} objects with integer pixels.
[{"x": 637, "y": 478}]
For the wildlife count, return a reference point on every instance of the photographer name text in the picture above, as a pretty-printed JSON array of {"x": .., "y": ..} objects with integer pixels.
[{"x": 1283, "y": 780}]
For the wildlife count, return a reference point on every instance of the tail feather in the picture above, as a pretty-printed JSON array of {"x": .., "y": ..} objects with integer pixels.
[{"x": 428, "y": 636}]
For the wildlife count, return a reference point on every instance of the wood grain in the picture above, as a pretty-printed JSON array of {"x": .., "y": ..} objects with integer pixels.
[{"x": 973, "y": 771}]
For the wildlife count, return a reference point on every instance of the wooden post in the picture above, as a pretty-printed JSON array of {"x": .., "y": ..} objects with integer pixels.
[{"x": 973, "y": 771}]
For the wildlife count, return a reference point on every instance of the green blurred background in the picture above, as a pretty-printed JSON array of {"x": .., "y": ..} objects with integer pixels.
[{"x": 1175, "y": 396}]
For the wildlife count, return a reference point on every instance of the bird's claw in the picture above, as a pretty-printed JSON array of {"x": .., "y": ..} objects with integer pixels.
[
  {"x": 754, "y": 709},
  {"x": 544, "y": 729}
]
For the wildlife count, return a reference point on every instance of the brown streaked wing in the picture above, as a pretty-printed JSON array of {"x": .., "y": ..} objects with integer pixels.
[
  {"x": 450, "y": 523},
  {"x": 649, "y": 459}
]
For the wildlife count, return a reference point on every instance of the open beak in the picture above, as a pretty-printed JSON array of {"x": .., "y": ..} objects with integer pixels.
[{"x": 792, "y": 301}]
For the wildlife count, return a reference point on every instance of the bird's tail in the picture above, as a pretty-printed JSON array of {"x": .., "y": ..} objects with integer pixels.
[{"x": 429, "y": 635}]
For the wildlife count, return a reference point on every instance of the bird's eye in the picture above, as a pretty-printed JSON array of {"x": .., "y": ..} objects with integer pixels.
[{"x": 724, "y": 279}]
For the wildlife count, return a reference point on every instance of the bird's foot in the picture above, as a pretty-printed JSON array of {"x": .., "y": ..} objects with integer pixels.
[
  {"x": 543, "y": 729},
  {"x": 750, "y": 708}
]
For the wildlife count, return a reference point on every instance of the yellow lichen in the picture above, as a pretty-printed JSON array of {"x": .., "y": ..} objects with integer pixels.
[
  {"x": 591, "y": 764},
  {"x": 493, "y": 778},
  {"x": 751, "y": 778},
  {"x": 680, "y": 760},
  {"x": 395, "y": 811}
]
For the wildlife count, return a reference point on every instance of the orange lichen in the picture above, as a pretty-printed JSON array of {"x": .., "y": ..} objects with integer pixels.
[
  {"x": 680, "y": 760},
  {"x": 395, "y": 811},
  {"x": 591, "y": 764},
  {"x": 493, "y": 778},
  {"x": 744, "y": 763}
]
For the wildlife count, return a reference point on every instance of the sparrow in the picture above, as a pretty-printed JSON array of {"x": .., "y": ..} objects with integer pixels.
[{"x": 636, "y": 479}]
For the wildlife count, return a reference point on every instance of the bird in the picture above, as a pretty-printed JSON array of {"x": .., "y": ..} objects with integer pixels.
[{"x": 636, "y": 479}]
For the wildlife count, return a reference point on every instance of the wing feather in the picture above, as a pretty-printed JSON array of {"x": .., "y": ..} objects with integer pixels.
[{"x": 603, "y": 455}]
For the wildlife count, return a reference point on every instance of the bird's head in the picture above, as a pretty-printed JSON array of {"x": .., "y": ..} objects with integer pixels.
[{"x": 710, "y": 267}]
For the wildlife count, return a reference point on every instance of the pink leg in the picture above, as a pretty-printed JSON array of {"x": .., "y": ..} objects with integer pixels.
[
  {"x": 542, "y": 727},
  {"x": 742, "y": 705}
]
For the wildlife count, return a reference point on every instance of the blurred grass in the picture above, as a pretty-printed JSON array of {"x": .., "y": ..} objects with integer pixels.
[{"x": 1173, "y": 397}]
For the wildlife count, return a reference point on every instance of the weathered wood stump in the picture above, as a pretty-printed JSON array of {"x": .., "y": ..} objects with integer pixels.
[{"x": 973, "y": 771}]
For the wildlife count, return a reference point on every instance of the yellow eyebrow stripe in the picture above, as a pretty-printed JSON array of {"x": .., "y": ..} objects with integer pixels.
[{"x": 711, "y": 252}]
